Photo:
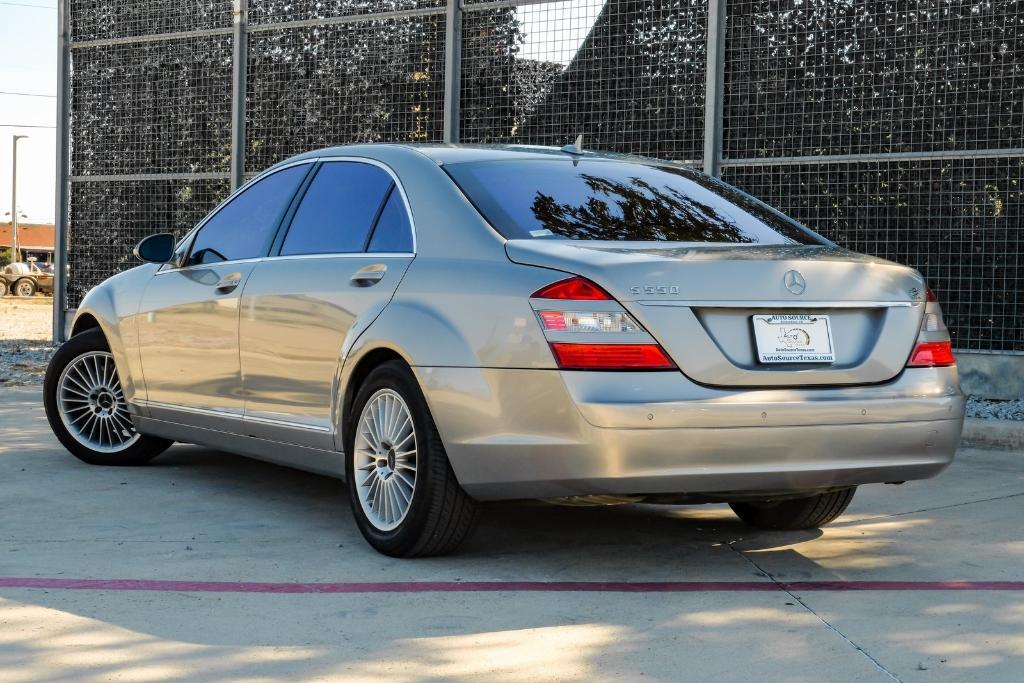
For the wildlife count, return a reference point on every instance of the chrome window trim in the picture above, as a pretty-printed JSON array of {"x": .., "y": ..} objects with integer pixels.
[
  {"x": 398, "y": 185},
  {"x": 255, "y": 259},
  {"x": 274, "y": 169},
  {"x": 294, "y": 257},
  {"x": 234, "y": 416},
  {"x": 344, "y": 254},
  {"x": 190, "y": 235}
]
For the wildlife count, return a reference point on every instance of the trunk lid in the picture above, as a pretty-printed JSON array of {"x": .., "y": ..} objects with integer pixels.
[{"x": 699, "y": 302}]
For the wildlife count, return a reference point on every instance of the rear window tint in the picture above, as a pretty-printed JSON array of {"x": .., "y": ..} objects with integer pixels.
[
  {"x": 338, "y": 210},
  {"x": 393, "y": 233},
  {"x": 618, "y": 201}
]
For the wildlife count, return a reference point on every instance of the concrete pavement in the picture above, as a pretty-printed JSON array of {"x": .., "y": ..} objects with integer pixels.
[{"x": 197, "y": 515}]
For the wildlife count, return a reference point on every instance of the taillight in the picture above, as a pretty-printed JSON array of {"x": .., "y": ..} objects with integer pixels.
[
  {"x": 933, "y": 349},
  {"x": 604, "y": 337},
  {"x": 932, "y": 355},
  {"x": 611, "y": 357},
  {"x": 575, "y": 288},
  {"x": 588, "y": 321}
]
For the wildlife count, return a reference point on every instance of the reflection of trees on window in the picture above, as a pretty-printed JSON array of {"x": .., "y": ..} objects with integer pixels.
[{"x": 635, "y": 210}]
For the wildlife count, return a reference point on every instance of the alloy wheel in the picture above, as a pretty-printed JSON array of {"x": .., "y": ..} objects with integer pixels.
[
  {"x": 92, "y": 405},
  {"x": 385, "y": 459}
]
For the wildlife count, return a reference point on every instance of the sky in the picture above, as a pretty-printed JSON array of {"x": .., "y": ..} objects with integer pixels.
[
  {"x": 28, "y": 64},
  {"x": 554, "y": 32}
]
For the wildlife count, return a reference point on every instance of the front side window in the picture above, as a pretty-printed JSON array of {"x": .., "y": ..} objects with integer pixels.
[
  {"x": 620, "y": 201},
  {"x": 338, "y": 210},
  {"x": 244, "y": 227}
]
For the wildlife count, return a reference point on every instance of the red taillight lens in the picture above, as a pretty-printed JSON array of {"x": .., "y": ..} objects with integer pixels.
[
  {"x": 611, "y": 357},
  {"x": 576, "y": 288},
  {"x": 929, "y": 295},
  {"x": 932, "y": 355}
]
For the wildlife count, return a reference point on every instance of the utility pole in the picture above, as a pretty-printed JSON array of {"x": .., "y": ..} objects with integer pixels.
[{"x": 15, "y": 253}]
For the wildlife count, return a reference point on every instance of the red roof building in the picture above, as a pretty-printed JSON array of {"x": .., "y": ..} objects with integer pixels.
[{"x": 32, "y": 237}]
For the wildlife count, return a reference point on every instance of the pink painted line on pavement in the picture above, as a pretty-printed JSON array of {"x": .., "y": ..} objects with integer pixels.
[{"x": 495, "y": 586}]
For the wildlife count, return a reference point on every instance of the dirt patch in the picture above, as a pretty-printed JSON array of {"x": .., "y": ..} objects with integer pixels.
[{"x": 26, "y": 344}]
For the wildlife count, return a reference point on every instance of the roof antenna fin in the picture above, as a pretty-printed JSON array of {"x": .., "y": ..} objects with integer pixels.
[{"x": 576, "y": 147}]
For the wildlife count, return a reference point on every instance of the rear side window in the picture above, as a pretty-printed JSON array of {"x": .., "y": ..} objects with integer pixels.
[
  {"x": 244, "y": 227},
  {"x": 393, "y": 232},
  {"x": 338, "y": 210},
  {"x": 619, "y": 201}
]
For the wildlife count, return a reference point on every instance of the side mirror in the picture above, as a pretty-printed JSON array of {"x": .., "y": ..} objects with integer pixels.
[{"x": 157, "y": 248}]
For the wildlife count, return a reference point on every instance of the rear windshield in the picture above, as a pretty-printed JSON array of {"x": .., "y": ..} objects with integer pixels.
[{"x": 620, "y": 201}]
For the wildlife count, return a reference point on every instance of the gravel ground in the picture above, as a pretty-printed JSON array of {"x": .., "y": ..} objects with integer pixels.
[
  {"x": 25, "y": 339},
  {"x": 1001, "y": 410}
]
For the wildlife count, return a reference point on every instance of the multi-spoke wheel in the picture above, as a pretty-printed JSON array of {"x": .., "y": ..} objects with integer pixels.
[
  {"x": 385, "y": 459},
  {"x": 405, "y": 497},
  {"x": 92, "y": 405},
  {"x": 86, "y": 408}
]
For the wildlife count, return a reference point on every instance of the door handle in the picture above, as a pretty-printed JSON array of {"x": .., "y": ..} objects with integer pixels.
[
  {"x": 370, "y": 275},
  {"x": 228, "y": 283}
]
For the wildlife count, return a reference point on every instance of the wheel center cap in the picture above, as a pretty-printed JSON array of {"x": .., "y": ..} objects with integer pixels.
[{"x": 391, "y": 459}]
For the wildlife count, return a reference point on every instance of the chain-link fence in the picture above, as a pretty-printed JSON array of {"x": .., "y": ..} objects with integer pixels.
[{"x": 894, "y": 128}]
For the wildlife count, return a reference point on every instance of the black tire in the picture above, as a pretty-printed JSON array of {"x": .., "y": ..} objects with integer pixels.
[
  {"x": 144, "y": 449},
  {"x": 29, "y": 287},
  {"x": 440, "y": 514},
  {"x": 795, "y": 513}
]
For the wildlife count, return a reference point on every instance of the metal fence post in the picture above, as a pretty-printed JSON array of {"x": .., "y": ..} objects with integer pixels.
[
  {"x": 714, "y": 92},
  {"x": 452, "y": 75},
  {"x": 63, "y": 132},
  {"x": 239, "y": 66}
]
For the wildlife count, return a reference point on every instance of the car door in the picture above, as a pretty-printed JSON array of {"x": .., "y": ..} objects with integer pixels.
[
  {"x": 337, "y": 263},
  {"x": 188, "y": 317}
]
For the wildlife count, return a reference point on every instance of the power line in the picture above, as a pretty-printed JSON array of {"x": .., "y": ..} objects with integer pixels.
[
  {"x": 24, "y": 94},
  {"x": 21, "y": 125},
  {"x": 25, "y": 4}
]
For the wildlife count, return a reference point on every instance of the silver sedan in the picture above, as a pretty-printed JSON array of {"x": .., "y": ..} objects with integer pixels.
[{"x": 444, "y": 325}]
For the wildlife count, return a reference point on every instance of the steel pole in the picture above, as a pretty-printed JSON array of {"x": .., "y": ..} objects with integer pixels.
[
  {"x": 15, "y": 255},
  {"x": 63, "y": 188},
  {"x": 240, "y": 57},
  {"x": 713, "y": 93},
  {"x": 452, "y": 74}
]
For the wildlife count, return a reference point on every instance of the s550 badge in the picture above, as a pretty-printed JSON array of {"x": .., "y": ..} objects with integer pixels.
[{"x": 654, "y": 289}]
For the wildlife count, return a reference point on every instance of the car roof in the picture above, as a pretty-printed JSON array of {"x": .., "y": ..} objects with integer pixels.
[{"x": 459, "y": 153}]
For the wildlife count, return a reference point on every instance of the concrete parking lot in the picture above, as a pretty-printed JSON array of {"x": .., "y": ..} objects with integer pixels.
[{"x": 213, "y": 567}]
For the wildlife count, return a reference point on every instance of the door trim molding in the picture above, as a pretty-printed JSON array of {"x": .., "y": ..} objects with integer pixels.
[{"x": 212, "y": 412}]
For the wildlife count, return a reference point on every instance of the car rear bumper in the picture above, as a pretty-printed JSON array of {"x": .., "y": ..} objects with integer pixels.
[{"x": 543, "y": 433}]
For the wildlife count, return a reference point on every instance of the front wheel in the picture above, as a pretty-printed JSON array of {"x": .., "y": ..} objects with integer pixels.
[
  {"x": 3, "y": 287},
  {"x": 86, "y": 409},
  {"x": 795, "y": 513},
  {"x": 404, "y": 494}
]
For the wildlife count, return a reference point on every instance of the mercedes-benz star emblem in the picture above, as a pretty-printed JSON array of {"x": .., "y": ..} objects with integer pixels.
[{"x": 794, "y": 282}]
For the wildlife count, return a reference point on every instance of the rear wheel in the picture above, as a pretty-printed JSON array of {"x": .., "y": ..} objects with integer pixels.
[
  {"x": 86, "y": 409},
  {"x": 3, "y": 287},
  {"x": 795, "y": 513},
  {"x": 403, "y": 492},
  {"x": 25, "y": 287}
]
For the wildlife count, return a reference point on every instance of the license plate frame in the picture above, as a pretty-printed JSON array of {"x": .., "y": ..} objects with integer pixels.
[{"x": 793, "y": 338}]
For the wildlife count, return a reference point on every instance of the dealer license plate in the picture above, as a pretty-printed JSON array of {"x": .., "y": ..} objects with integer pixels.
[{"x": 784, "y": 338}]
